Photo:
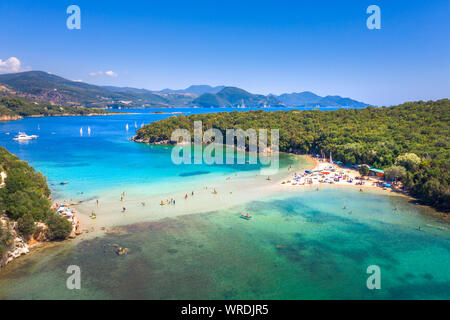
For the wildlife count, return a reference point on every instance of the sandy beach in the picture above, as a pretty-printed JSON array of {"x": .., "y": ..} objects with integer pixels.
[
  {"x": 230, "y": 190},
  {"x": 224, "y": 193},
  {"x": 324, "y": 173}
]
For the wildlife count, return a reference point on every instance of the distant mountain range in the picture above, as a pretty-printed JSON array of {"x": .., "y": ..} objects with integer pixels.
[
  {"x": 195, "y": 90},
  {"x": 235, "y": 97},
  {"x": 309, "y": 99},
  {"x": 41, "y": 86},
  {"x": 44, "y": 87}
]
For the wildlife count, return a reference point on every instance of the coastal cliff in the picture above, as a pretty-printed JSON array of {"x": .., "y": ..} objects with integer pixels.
[{"x": 17, "y": 245}]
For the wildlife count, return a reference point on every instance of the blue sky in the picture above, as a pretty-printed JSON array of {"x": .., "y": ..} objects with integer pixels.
[{"x": 261, "y": 46}]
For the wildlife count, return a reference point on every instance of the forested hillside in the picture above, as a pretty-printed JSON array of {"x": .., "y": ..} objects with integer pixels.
[
  {"x": 22, "y": 108},
  {"x": 24, "y": 197},
  {"x": 382, "y": 137}
]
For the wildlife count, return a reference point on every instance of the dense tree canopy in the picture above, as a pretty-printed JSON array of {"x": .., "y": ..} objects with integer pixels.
[
  {"x": 59, "y": 228},
  {"x": 414, "y": 135},
  {"x": 24, "y": 197},
  {"x": 25, "y": 191}
]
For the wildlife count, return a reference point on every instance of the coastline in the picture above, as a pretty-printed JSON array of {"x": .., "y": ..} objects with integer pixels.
[
  {"x": 22, "y": 246},
  {"x": 234, "y": 189},
  {"x": 370, "y": 186},
  {"x": 15, "y": 118},
  {"x": 231, "y": 191}
]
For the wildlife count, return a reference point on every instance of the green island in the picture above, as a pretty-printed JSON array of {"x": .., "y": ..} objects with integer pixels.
[
  {"x": 17, "y": 108},
  {"x": 409, "y": 141},
  {"x": 25, "y": 208}
]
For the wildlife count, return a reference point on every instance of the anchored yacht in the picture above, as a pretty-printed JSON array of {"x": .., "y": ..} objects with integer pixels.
[{"x": 23, "y": 136}]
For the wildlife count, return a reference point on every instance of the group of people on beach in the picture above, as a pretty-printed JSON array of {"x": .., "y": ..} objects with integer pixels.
[{"x": 170, "y": 202}]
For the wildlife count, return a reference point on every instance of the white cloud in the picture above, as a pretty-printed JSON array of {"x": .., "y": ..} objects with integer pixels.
[
  {"x": 111, "y": 74},
  {"x": 106, "y": 73},
  {"x": 10, "y": 65}
]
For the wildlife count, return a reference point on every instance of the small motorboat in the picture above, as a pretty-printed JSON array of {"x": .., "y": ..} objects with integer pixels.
[
  {"x": 23, "y": 136},
  {"x": 246, "y": 216},
  {"x": 64, "y": 182}
]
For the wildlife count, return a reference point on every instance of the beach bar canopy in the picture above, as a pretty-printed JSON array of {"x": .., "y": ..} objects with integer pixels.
[{"x": 376, "y": 172}]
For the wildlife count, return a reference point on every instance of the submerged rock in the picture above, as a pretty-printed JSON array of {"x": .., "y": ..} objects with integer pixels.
[{"x": 122, "y": 251}]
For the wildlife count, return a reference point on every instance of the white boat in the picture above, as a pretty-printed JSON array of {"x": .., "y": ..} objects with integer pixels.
[
  {"x": 23, "y": 136},
  {"x": 89, "y": 130},
  {"x": 126, "y": 127},
  {"x": 81, "y": 131}
]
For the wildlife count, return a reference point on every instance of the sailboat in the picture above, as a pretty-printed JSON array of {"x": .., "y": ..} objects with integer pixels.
[
  {"x": 89, "y": 130},
  {"x": 135, "y": 124},
  {"x": 39, "y": 127},
  {"x": 142, "y": 125},
  {"x": 126, "y": 127},
  {"x": 331, "y": 158},
  {"x": 81, "y": 131}
]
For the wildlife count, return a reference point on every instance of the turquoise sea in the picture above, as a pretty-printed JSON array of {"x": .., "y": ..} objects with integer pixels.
[{"x": 299, "y": 245}]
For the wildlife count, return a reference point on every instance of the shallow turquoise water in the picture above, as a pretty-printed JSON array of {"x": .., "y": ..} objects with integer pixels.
[{"x": 299, "y": 245}]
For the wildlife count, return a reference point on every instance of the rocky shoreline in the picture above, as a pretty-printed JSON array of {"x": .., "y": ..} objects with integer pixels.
[
  {"x": 21, "y": 246},
  {"x": 156, "y": 142},
  {"x": 9, "y": 118}
]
